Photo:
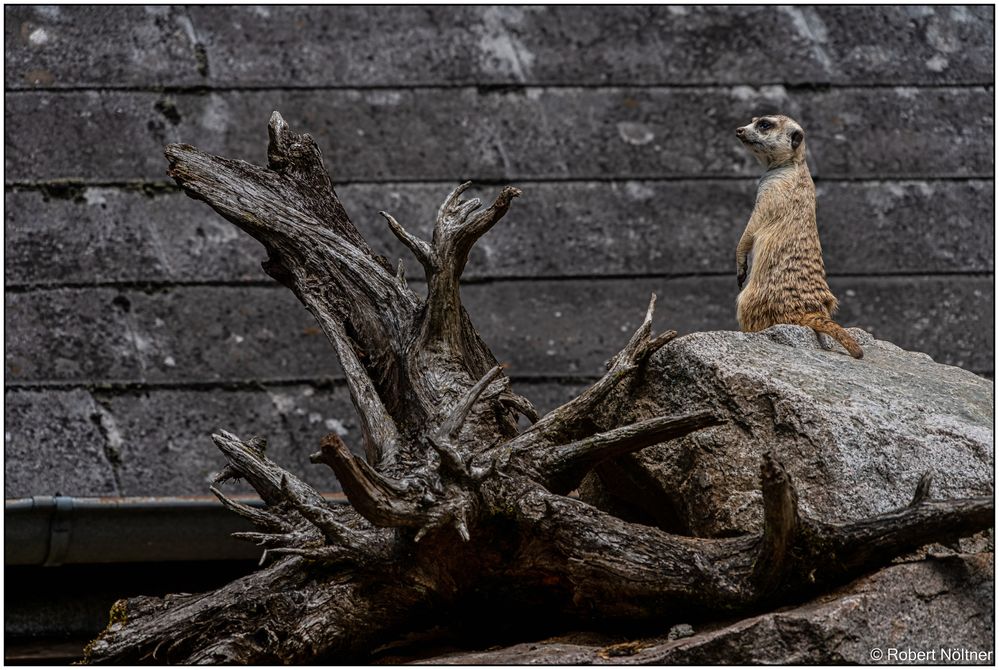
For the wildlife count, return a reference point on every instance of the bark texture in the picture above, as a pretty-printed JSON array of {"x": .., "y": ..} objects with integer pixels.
[
  {"x": 453, "y": 504},
  {"x": 941, "y": 607}
]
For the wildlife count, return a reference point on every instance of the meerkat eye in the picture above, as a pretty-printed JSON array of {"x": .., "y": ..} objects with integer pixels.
[{"x": 764, "y": 125}]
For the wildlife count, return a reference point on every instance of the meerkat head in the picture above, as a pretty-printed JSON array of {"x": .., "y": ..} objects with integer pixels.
[{"x": 775, "y": 140}]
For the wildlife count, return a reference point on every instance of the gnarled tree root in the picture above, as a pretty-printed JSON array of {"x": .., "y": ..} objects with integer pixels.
[
  {"x": 343, "y": 592},
  {"x": 452, "y": 499}
]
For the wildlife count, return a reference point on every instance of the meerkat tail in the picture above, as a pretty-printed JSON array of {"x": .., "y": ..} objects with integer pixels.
[{"x": 821, "y": 323}]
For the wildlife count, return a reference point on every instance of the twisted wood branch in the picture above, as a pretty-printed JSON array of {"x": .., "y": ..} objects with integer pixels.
[{"x": 444, "y": 460}]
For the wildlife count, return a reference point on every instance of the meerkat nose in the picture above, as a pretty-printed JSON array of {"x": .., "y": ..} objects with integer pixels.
[{"x": 740, "y": 131}]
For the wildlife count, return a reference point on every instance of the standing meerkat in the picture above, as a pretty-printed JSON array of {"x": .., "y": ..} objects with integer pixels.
[{"x": 788, "y": 280}]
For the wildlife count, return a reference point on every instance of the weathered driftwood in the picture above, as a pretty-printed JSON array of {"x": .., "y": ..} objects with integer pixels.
[{"x": 453, "y": 503}]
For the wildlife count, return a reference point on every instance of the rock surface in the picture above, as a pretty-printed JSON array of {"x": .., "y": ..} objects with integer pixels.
[
  {"x": 855, "y": 435},
  {"x": 941, "y": 606}
]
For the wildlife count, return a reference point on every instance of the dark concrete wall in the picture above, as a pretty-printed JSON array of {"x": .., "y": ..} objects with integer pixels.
[{"x": 138, "y": 321}]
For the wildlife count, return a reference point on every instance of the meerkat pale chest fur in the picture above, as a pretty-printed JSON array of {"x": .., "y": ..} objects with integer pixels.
[{"x": 787, "y": 283}]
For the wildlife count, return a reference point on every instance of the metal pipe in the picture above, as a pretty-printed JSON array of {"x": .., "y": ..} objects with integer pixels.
[{"x": 56, "y": 530}]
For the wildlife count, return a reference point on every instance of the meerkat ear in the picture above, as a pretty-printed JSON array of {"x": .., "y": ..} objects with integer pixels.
[{"x": 796, "y": 137}]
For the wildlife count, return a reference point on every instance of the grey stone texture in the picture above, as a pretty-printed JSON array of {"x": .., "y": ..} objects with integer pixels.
[
  {"x": 166, "y": 452},
  {"x": 127, "y": 300},
  {"x": 854, "y": 435},
  {"x": 63, "y": 46},
  {"x": 534, "y": 133},
  {"x": 53, "y": 444},
  {"x": 573, "y": 229},
  {"x": 537, "y": 327},
  {"x": 178, "y": 334},
  {"x": 275, "y": 47},
  {"x": 155, "y": 441},
  {"x": 121, "y": 236},
  {"x": 940, "y": 605}
]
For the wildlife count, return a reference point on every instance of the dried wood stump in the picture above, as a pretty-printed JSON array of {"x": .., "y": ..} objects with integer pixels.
[{"x": 454, "y": 506}]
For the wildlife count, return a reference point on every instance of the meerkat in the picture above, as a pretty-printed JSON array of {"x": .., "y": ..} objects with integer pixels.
[{"x": 787, "y": 283}]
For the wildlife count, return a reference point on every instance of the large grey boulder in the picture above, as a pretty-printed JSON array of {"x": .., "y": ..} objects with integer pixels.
[
  {"x": 855, "y": 435},
  {"x": 941, "y": 607}
]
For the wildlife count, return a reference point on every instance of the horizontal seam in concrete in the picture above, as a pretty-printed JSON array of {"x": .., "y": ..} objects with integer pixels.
[
  {"x": 119, "y": 388},
  {"x": 490, "y": 87},
  {"x": 138, "y": 185},
  {"x": 144, "y": 286},
  {"x": 128, "y": 386},
  {"x": 155, "y": 286},
  {"x": 696, "y": 275}
]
